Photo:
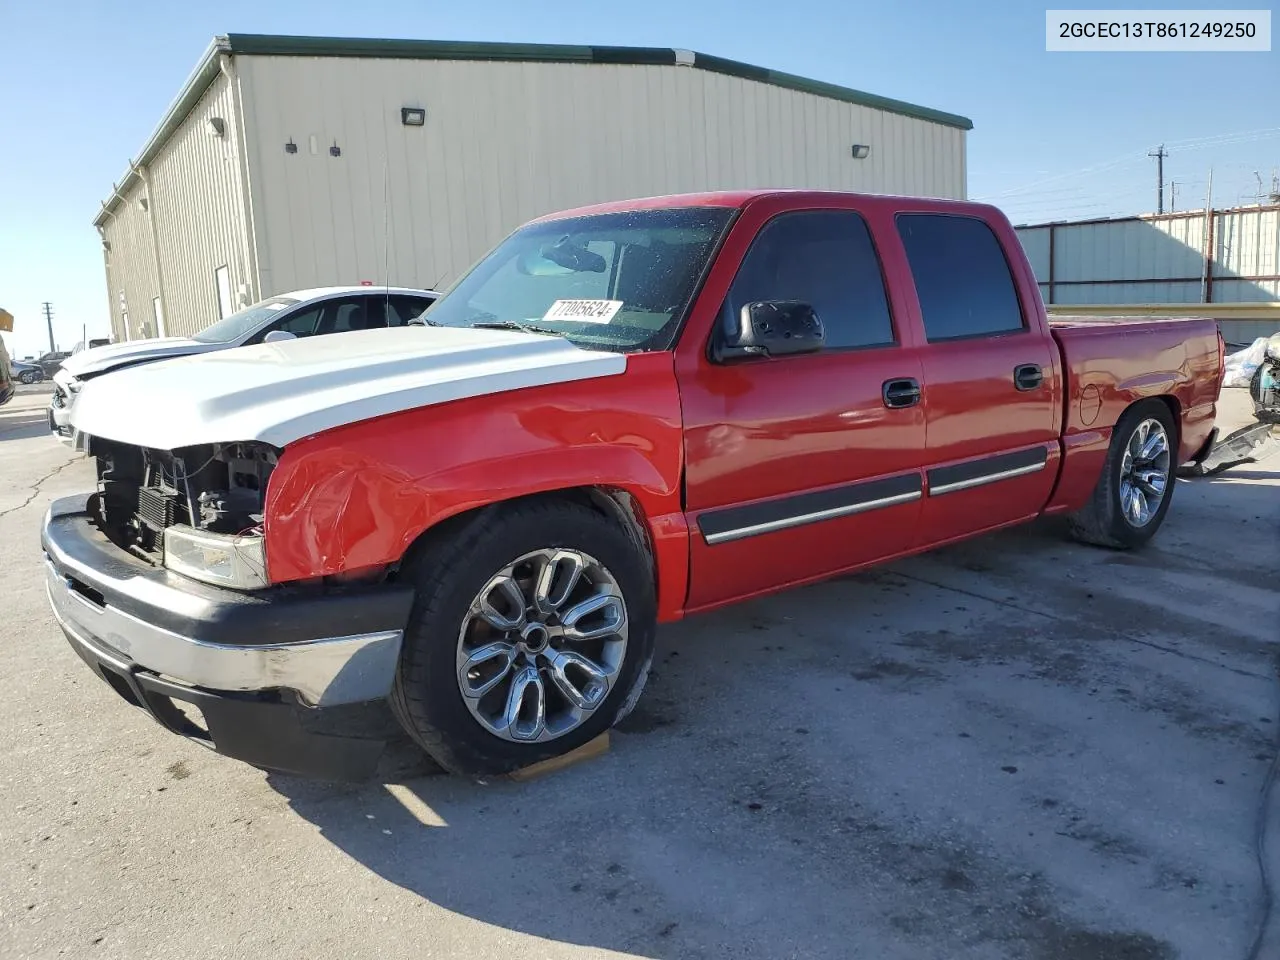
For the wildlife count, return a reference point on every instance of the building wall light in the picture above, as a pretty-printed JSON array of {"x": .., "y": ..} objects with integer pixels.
[
  {"x": 861, "y": 151},
  {"x": 413, "y": 116}
]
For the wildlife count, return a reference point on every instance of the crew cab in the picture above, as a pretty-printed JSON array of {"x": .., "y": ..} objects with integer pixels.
[
  {"x": 623, "y": 415},
  {"x": 303, "y": 313}
]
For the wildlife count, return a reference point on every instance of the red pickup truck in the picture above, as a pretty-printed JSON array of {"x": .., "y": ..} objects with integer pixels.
[{"x": 622, "y": 415}]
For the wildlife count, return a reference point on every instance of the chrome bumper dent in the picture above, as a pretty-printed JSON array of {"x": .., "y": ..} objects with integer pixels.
[{"x": 323, "y": 672}]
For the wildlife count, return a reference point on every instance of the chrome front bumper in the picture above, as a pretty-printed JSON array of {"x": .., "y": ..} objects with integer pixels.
[
  {"x": 220, "y": 640},
  {"x": 324, "y": 672}
]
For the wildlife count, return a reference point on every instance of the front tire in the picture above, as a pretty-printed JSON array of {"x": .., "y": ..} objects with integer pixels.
[
  {"x": 27, "y": 377},
  {"x": 531, "y": 633},
  {"x": 1135, "y": 489}
]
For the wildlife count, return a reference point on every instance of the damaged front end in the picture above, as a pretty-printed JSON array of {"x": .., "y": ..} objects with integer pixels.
[{"x": 197, "y": 510}]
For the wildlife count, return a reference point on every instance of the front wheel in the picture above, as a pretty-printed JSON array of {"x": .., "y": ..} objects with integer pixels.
[
  {"x": 531, "y": 633},
  {"x": 27, "y": 377},
  {"x": 1136, "y": 486}
]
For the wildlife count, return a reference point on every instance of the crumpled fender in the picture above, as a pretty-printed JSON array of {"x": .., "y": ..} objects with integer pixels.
[{"x": 358, "y": 496}]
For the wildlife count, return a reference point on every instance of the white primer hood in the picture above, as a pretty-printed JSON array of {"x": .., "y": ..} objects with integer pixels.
[{"x": 280, "y": 392}]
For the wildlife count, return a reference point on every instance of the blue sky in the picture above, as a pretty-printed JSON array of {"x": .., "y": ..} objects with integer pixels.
[{"x": 82, "y": 84}]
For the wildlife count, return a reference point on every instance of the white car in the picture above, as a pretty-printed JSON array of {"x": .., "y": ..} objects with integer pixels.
[{"x": 303, "y": 313}]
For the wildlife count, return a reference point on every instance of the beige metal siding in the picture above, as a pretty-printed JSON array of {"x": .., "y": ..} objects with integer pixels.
[
  {"x": 200, "y": 214},
  {"x": 1160, "y": 259},
  {"x": 505, "y": 142},
  {"x": 130, "y": 264}
]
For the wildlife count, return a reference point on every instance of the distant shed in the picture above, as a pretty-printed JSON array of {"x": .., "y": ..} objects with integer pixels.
[
  {"x": 291, "y": 162},
  {"x": 1224, "y": 264}
]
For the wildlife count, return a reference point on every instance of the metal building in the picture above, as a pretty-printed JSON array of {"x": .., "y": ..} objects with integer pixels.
[
  {"x": 291, "y": 162},
  {"x": 1226, "y": 262}
]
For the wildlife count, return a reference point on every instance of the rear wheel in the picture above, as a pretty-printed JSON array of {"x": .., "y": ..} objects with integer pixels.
[
  {"x": 1133, "y": 493},
  {"x": 531, "y": 634}
]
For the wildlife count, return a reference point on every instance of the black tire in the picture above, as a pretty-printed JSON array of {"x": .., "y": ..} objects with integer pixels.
[
  {"x": 27, "y": 377},
  {"x": 1102, "y": 521},
  {"x": 450, "y": 572}
]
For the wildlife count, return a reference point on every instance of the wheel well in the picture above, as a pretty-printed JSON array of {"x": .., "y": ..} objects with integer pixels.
[
  {"x": 618, "y": 505},
  {"x": 1175, "y": 411}
]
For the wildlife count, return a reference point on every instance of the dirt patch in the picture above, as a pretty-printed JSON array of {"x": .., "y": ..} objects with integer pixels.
[{"x": 885, "y": 669}]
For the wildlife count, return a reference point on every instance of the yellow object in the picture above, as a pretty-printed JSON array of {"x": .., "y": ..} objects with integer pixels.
[
  {"x": 6, "y": 321},
  {"x": 592, "y": 748}
]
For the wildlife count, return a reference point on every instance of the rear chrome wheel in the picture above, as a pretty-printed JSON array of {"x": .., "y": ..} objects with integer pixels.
[
  {"x": 541, "y": 645},
  {"x": 1135, "y": 486},
  {"x": 1144, "y": 472}
]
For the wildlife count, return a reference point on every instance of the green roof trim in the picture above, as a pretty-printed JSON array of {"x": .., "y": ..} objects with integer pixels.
[
  {"x": 833, "y": 91},
  {"x": 285, "y": 46},
  {"x": 254, "y": 44}
]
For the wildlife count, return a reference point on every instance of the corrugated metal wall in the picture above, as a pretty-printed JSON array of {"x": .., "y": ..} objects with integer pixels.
[
  {"x": 1158, "y": 259},
  {"x": 200, "y": 214},
  {"x": 194, "y": 206},
  {"x": 505, "y": 142},
  {"x": 131, "y": 271}
]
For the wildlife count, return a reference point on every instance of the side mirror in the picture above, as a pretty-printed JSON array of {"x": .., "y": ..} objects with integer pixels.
[
  {"x": 771, "y": 328},
  {"x": 275, "y": 336}
]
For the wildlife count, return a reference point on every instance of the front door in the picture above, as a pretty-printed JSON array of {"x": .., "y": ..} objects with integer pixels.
[
  {"x": 993, "y": 396},
  {"x": 798, "y": 467}
]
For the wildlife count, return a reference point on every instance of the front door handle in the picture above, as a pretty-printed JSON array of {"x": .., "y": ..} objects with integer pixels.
[
  {"x": 1027, "y": 376},
  {"x": 902, "y": 392}
]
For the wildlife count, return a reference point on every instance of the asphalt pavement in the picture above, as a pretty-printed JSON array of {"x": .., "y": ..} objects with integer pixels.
[{"x": 1019, "y": 747}]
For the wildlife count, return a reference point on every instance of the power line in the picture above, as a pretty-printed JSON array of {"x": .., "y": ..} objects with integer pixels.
[{"x": 1193, "y": 143}]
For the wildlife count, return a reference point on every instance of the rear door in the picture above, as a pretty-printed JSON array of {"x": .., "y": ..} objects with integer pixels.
[
  {"x": 993, "y": 396},
  {"x": 797, "y": 467}
]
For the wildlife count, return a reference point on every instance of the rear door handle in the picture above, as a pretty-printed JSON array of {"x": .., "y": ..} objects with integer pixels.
[
  {"x": 902, "y": 392},
  {"x": 1027, "y": 376}
]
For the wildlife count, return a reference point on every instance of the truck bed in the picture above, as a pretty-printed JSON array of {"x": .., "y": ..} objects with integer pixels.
[{"x": 1112, "y": 362}]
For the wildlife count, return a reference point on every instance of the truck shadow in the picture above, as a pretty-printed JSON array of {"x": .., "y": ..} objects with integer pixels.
[{"x": 765, "y": 799}]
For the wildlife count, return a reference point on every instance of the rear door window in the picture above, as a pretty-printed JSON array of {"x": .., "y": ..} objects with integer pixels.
[{"x": 961, "y": 275}]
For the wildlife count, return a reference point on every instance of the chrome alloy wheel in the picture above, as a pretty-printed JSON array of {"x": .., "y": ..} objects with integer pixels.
[
  {"x": 1144, "y": 472},
  {"x": 541, "y": 645}
]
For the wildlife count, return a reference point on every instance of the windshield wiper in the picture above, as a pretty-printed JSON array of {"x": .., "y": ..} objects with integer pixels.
[{"x": 513, "y": 325}]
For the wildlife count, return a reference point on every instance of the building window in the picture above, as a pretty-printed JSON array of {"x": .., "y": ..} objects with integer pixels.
[
  {"x": 158, "y": 308},
  {"x": 222, "y": 276}
]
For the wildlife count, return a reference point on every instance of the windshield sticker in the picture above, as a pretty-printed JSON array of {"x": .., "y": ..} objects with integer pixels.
[{"x": 585, "y": 311}]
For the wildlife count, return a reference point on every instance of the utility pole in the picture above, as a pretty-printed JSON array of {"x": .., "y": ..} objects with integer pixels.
[
  {"x": 48, "y": 319},
  {"x": 1159, "y": 154}
]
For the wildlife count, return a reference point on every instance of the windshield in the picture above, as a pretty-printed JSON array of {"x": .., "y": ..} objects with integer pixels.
[
  {"x": 613, "y": 281},
  {"x": 239, "y": 325}
]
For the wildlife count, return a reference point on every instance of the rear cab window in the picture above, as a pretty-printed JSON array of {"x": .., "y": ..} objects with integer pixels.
[{"x": 962, "y": 277}]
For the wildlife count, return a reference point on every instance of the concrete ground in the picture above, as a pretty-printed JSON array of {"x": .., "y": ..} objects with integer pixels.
[{"x": 1019, "y": 747}]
